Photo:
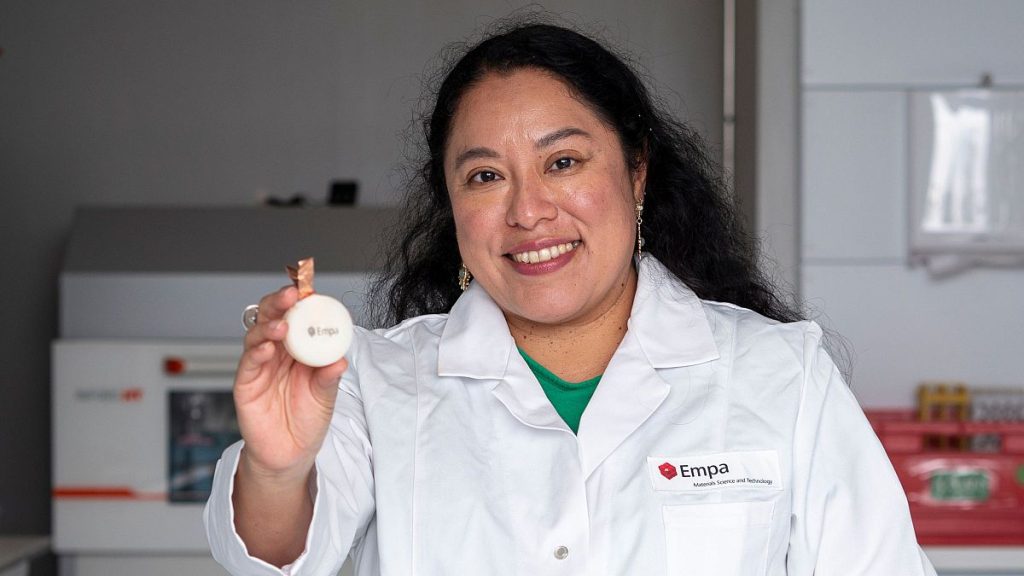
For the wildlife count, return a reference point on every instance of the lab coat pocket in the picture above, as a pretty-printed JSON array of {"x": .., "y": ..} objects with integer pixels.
[{"x": 722, "y": 539}]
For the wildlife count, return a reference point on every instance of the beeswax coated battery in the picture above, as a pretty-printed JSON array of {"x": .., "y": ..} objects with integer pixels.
[{"x": 319, "y": 330}]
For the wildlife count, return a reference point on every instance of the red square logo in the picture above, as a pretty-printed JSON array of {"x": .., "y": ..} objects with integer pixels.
[{"x": 668, "y": 471}]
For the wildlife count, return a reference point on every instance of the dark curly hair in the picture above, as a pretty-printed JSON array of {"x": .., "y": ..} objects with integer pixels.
[{"x": 690, "y": 222}]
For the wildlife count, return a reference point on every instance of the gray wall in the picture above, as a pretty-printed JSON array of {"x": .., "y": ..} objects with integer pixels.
[
  {"x": 203, "y": 103},
  {"x": 775, "y": 146}
]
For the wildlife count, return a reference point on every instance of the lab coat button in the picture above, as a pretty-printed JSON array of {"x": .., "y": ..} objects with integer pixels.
[{"x": 561, "y": 552}]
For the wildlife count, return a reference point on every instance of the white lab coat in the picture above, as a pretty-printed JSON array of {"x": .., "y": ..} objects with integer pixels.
[{"x": 445, "y": 457}]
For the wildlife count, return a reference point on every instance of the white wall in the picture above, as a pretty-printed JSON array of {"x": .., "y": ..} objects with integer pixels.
[
  {"x": 859, "y": 61},
  {"x": 197, "y": 102}
]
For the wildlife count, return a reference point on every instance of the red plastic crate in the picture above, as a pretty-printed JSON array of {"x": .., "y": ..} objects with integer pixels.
[{"x": 957, "y": 497}]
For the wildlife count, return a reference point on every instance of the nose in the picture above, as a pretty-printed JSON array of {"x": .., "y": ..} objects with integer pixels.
[{"x": 530, "y": 202}]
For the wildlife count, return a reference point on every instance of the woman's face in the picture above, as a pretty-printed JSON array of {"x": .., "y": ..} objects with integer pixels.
[{"x": 543, "y": 199}]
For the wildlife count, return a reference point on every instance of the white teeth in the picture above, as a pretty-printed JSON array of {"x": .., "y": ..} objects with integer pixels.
[{"x": 545, "y": 254}]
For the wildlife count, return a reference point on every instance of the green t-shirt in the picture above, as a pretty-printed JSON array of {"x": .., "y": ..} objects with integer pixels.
[{"x": 569, "y": 399}]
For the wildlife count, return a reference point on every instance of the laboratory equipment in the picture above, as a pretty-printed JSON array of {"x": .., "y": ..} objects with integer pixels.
[{"x": 150, "y": 300}]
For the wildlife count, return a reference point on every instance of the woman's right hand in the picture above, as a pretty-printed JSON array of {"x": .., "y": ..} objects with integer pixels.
[{"x": 284, "y": 407}]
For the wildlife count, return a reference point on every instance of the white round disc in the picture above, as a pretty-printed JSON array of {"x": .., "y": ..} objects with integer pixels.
[{"x": 319, "y": 330}]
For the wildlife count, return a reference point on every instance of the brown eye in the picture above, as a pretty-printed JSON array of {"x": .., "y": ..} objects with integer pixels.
[
  {"x": 484, "y": 176},
  {"x": 563, "y": 163}
]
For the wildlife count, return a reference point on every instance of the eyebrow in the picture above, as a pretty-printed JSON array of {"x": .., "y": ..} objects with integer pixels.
[
  {"x": 473, "y": 154},
  {"x": 543, "y": 142},
  {"x": 557, "y": 135}
]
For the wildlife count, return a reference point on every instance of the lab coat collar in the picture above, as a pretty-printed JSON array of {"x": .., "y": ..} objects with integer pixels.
[
  {"x": 667, "y": 329},
  {"x": 667, "y": 320},
  {"x": 475, "y": 342}
]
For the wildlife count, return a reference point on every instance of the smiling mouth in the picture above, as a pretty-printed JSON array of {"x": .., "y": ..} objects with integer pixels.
[{"x": 544, "y": 254}]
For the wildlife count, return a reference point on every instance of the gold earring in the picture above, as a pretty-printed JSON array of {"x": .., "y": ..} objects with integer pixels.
[
  {"x": 639, "y": 238},
  {"x": 464, "y": 277}
]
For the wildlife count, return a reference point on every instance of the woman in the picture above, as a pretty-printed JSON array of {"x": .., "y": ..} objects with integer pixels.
[{"x": 603, "y": 269}]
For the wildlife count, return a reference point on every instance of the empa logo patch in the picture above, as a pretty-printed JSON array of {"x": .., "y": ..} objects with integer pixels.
[{"x": 670, "y": 471}]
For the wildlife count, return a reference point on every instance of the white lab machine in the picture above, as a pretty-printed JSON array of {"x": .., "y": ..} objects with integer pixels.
[{"x": 150, "y": 333}]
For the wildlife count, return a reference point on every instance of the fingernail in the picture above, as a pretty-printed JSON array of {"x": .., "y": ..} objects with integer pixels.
[{"x": 274, "y": 325}]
